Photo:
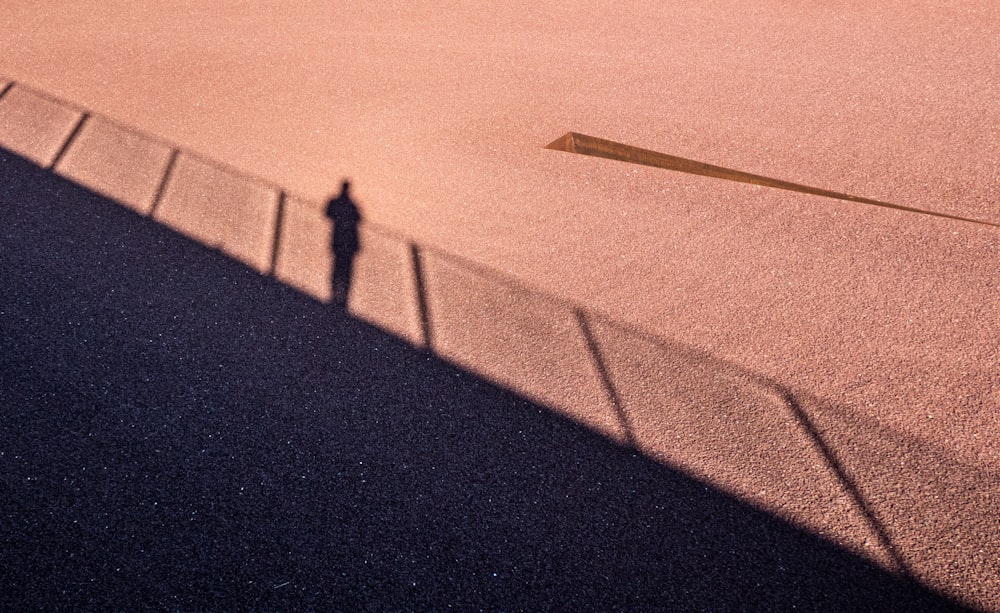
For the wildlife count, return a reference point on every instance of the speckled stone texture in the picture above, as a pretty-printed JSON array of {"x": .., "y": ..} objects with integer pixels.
[
  {"x": 183, "y": 432},
  {"x": 117, "y": 162},
  {"x": 221, "y": 209},
  {"x": 880, "y": 325},
  {"x": 383, "y": 289},
  {"x": 524, "y": 340},
  {"x": 35, "y": 126}
]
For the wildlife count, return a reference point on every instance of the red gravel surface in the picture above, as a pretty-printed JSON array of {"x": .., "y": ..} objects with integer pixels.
[{"x": 881, "y": 324}]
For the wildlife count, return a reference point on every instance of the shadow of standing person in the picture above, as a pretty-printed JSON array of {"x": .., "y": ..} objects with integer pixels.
[{"x": 345, "y": 245}]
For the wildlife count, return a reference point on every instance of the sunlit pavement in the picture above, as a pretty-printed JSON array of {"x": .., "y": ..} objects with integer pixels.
[{"x": 831, "y": 363}]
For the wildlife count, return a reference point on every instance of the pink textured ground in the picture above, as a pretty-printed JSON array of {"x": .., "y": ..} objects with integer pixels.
[{"x": 438, "y": 112}]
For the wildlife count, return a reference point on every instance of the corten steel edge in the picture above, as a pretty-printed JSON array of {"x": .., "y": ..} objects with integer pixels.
[{"x": 572, "y": 142}]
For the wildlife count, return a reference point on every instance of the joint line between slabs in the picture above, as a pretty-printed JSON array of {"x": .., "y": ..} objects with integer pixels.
[
  {"x": 605, "y": 375},
  {"x": 69, "y": 140},
  {"x": 881, "y": 531},
  {"x": 162, "y": 187},
  {"x": 278, "y": 221},
  {"x": 421, "y": 283}
]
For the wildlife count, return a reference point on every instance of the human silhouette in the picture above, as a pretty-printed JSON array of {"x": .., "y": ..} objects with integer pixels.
[{"x": 345, "y": 245}]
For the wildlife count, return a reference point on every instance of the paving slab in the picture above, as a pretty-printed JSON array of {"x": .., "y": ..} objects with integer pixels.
[
  {"x": 522, "y": 339},
  {"x": 117, "y": 162},
  {"x": 383, "y": 289},
  {"x": 916, "y": 489},
  {"x": 35, "y": 126},
  {"x": 304, "y": 259},
  {"x": 222, "y": 209},
  {"x": 734, "y": 430}
]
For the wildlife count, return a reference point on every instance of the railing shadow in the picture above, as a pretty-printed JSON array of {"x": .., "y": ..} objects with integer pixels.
[{"x": 182, "y": 432}]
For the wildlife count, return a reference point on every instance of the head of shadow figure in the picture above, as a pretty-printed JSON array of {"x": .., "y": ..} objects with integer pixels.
[{"x": 345, "y": 244}]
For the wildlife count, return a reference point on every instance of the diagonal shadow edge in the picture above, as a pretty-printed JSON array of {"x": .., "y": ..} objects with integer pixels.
[
  {"x": 573, "y": 142},
  {"x": 415, "y": 256},
  {"x": 104, "y": 213}
]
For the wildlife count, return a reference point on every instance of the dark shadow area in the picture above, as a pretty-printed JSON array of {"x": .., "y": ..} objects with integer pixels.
[
  {"x": 344, "y": 214},
  {"x": 180, "y": 432}
]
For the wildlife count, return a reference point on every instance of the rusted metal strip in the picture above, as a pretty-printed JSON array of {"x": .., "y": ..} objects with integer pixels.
[{"x": 573, "y": 142}]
